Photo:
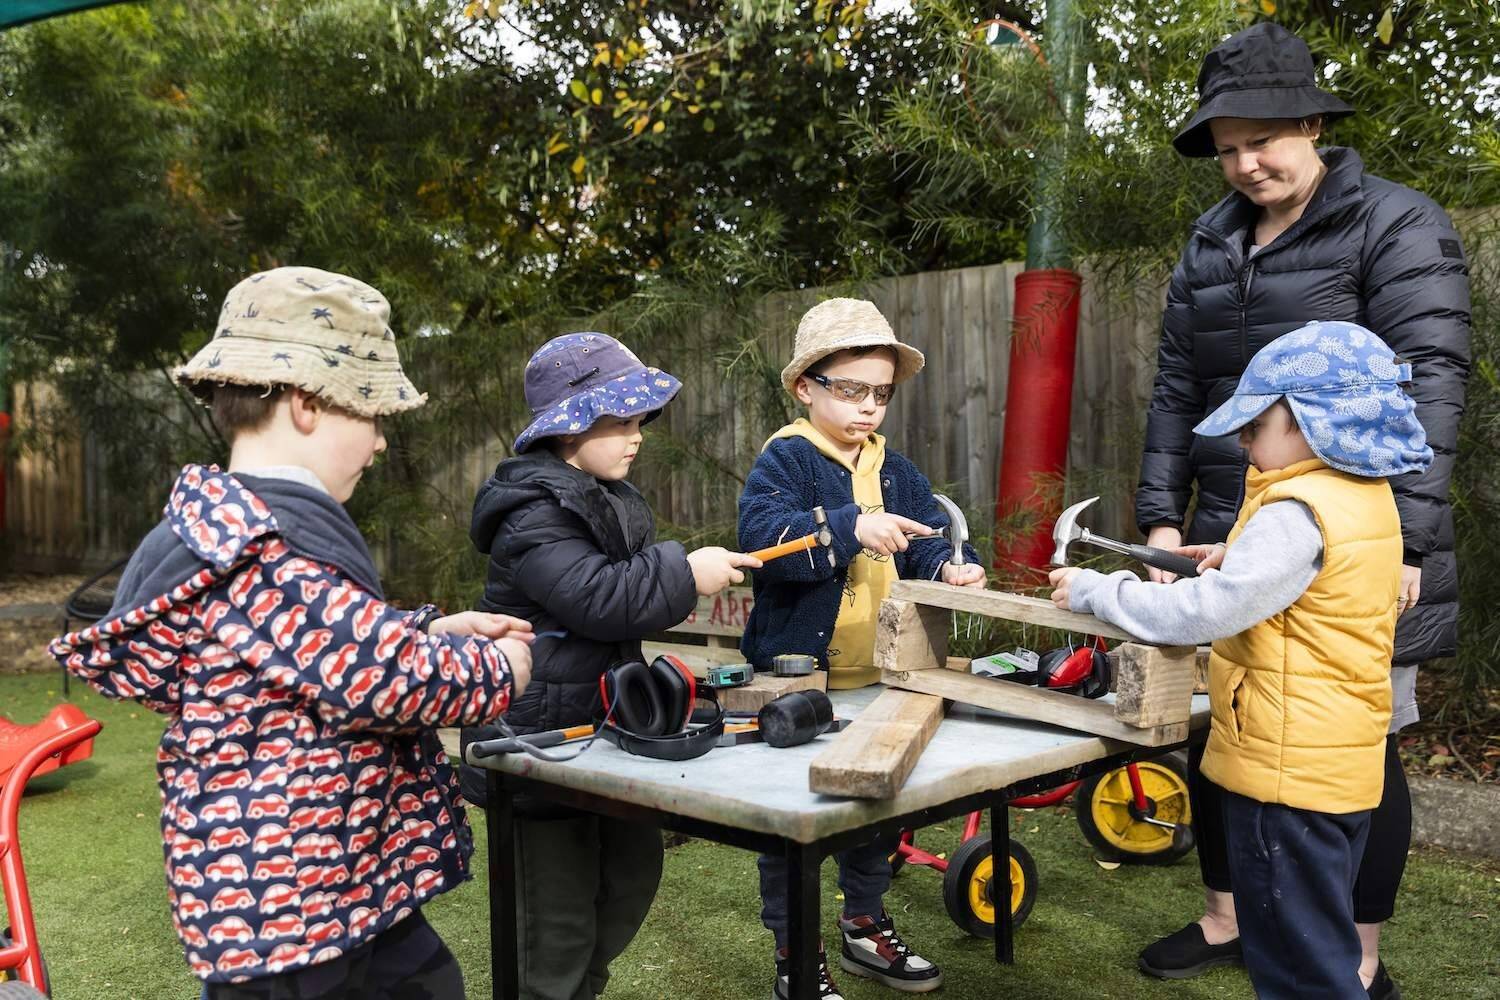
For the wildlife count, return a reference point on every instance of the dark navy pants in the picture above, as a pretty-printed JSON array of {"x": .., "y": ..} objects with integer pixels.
[
  {"x": 864, "y": 876},
  {"x": 1293, "y": 874}
]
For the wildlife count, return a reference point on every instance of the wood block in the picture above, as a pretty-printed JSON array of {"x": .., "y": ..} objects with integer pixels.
[
  {"x": 1154, "y": 684},
  {"x": 1037, "y": 704},
  {"x": 767, "y": 688},
  {"x": 873, "y": 758},
  {"x": 1011, "y": 607},
  {"x": 910, "y": 636}
]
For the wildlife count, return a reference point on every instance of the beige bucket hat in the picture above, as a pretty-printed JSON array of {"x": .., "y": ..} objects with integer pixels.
[
  {"x": 837, "y": 324},
  {"x": 325, "y": 333}
]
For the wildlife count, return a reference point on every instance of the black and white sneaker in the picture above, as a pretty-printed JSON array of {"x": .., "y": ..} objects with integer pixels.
[
  {"x": 826, "y": 989},
  {"x": 874, "y": 950}
]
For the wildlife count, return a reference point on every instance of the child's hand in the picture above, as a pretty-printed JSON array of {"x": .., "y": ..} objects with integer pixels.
[
  {"x": 885, "y": 534},
  {"x": 1060, "y": 580},
  {"x": 715, "y": 568},
  {"x": 518, "y": 655},
  {"x": 967, "y": 575},
  {"x": 482, "y": 623},
  {"x": 1206, "y": 556}
]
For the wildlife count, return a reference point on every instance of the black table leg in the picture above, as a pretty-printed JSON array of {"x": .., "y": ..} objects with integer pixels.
[
  {"x": 504, "y": 952},
  {"x": 1000, "y": 886},
  {"x": 803, "y": 933}
]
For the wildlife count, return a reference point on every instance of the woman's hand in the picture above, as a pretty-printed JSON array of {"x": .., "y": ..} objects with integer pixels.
[
  {"x": 1411, "y": 588},
  {"x": 1163, "y": 536}
]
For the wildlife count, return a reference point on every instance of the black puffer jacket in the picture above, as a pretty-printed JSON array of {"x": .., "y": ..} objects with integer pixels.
[
  {"x": 1366, "y": 251},
  {"x": 569, "y": 552}
]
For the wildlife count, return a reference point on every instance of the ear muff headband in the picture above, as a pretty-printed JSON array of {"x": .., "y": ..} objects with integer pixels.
[{"x": 647, "y": 710}]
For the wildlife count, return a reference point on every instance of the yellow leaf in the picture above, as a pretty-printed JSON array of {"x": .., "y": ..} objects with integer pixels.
[
  {"x": 472, "y": 9},
  {"x": 1386, "y": 28},
  {"x": 556, "y": 145},
  {"x": 578, "y": 165},
  {"x": 639, "y": 125},
  {"x": 693, "y": 109},
  {"x": 597, "y": 95},
  {"x": 708, "y": 124},
  {"x": 666, "y": 105},
  {"x": 579, "y": 90},
  {"x": 1268, "y": 7},
  {"x": 620, "y": 95},
  {"x": 658, "y": 127}
]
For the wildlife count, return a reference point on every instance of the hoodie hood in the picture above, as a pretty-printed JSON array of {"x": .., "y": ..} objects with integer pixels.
[
  {"x": 612, "y": 510},
  {"x": 213, "y": 522}
]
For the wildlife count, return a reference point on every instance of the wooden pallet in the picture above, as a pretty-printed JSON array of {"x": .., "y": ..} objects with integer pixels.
[{"x": 1153, "y": 684}]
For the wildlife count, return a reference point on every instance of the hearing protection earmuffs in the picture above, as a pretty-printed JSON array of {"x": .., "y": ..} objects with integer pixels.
[
  {"x": 648, "y": 709},
  {"x": 1083, "y": 671}
]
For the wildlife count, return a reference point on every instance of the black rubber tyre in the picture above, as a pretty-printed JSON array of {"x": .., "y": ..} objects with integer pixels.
[
  {"x": 1104, "y": 813},
  {"x": 967, "y": 886}
]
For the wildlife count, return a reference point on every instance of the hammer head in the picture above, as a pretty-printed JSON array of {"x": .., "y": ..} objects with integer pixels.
[
  {"x": 1066, "y": 530},
  {"x": 958, "y": 527}
]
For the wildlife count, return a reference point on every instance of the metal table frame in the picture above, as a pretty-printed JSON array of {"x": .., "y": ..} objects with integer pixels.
[{"x": 804, "y": 860}]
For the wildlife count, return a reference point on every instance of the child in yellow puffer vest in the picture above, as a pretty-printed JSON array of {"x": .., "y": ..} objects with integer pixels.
[{"x": 1301, "y": 606}]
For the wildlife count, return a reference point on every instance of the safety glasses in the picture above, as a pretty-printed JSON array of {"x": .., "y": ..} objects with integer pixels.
[{"x": 850, "y": 390}]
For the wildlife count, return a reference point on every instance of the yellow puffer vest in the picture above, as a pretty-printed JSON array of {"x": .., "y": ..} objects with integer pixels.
[{"x": 1301, "y": 701}]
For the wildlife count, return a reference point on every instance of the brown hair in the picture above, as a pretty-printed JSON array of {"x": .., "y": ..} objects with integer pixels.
[{"x": 237, "y": 409}]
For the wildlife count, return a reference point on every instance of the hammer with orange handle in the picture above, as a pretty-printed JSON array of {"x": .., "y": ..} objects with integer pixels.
[{"x": 823, "y": 536}]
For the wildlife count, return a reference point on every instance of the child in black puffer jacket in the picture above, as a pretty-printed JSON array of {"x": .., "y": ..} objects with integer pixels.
[{"x": 574, "y": 544}]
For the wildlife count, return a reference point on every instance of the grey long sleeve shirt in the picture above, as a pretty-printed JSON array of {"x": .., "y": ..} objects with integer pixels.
[{"x": 1275, "y": 559}]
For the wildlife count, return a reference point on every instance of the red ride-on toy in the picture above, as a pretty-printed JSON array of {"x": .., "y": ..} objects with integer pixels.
[
  {"x": 1138, "y": 813},
  {"x": 66, "y": 735}
]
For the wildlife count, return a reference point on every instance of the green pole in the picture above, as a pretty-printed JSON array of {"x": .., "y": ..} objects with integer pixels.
[{"x": 1045, "y": 245}]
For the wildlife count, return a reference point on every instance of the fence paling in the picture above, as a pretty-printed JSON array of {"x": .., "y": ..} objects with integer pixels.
[{"x": 949, "y": 420}]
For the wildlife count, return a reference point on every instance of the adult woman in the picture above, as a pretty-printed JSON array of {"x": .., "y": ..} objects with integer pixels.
[{"x": 1305, "y": 234}]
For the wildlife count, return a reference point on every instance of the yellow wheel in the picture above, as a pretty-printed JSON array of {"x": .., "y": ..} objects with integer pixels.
[
  {"x": 1118, "y": 831},
  {"x": 969, "y": 886}
]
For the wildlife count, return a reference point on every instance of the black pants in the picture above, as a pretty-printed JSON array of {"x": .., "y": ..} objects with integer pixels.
[
  {"x": 1385, "y": 848},
  {"x": 406, "y": 962},
  {"x": 1293, "y": 872}
]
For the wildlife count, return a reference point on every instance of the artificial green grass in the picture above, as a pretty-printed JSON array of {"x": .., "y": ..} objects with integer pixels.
[{"x": 91, "y": 841}]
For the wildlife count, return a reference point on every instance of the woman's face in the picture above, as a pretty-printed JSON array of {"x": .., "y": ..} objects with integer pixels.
[{"x": 1273, "y": 162}]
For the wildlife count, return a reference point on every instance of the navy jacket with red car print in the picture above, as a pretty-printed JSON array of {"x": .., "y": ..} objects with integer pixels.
[{"x": 301, "y": 814}]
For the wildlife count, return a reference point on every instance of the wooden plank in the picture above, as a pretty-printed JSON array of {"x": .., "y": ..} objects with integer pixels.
[
  {"x": 911, "y": 636},
  {"x": 1037, "y": 704},
  {"x": 697, "y": 658},
  {"x": 725, "y": 613},
  {"x": 1154, "y": 684},
  {"x": 997, "y": 604},
  {"x": 873, "y": 757},
  {"x": 978, "y": 431},
  {"x": 765, "y": 688}
]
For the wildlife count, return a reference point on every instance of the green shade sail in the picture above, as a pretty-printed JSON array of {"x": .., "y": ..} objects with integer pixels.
[{"x": 14, "y": 12}]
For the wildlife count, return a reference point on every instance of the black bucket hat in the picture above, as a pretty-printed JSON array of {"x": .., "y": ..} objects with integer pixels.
[{"x": 1264, "y": 71}]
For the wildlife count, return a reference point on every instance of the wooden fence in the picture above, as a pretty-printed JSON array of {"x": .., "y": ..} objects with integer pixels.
[{"x": 949, "y": 420}]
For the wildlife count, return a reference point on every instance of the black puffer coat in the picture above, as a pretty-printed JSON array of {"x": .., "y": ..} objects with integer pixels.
[
  {"x": 569, "y": 552},
  {"x": 1366, "y": 251}
]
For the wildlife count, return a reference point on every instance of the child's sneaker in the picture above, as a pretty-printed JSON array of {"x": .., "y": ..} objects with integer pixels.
[
  {"x": 875, "y": 951},
  {"x": 826, "y": 989}
]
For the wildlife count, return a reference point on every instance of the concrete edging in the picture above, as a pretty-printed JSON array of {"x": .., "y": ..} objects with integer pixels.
[{"x": 1459, "y": 815}]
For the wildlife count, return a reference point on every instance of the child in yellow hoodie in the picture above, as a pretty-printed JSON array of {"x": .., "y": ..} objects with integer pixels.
[
  {"x": 880, "y": 509},
  {"x": 1301, "y": 607}
]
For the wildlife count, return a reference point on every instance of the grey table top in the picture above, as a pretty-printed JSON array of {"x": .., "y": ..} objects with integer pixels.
[{"x": 762, "y": 789}]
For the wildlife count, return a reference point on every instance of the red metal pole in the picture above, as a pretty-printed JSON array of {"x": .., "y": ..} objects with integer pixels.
[{"x": 1038, "y": 408}]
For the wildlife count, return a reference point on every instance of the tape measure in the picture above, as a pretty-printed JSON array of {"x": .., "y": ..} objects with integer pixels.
[
  {"x": 731, "y": 675},
  {"x": 793, "y": 665}
]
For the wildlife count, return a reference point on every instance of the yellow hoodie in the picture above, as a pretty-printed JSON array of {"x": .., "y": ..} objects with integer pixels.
[{"x": 851, "y": 650}]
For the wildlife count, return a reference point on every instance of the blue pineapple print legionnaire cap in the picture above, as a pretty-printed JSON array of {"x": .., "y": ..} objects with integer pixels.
[
  {"x": 573, "y": 380},
  {"x": 1343, "y": 385}
]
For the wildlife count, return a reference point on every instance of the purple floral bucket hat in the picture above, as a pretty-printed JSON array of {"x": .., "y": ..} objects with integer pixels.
[{"x": 573, "y": 380}]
